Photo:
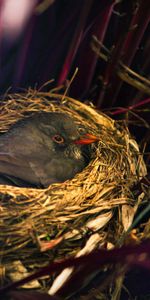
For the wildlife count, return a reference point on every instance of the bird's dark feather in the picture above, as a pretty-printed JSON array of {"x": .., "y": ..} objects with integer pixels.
[{"x": 29, "y": 156}]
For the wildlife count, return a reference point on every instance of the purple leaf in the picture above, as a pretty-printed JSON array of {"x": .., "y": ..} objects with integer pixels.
[{"x": 23, "y": 295}]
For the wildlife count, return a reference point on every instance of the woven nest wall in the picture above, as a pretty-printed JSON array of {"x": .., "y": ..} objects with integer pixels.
[{"x": 56, "y": 222}]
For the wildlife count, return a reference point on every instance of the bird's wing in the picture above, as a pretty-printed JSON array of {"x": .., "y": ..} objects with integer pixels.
[
  {"x": 17, "y": 167},
  {"x": 17, "y": 150}
]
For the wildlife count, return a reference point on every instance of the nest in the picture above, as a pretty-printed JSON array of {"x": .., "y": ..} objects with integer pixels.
[{"x": 95, "y": 208}]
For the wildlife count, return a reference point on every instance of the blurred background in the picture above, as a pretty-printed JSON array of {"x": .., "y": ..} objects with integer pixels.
[{"x": 49, "y": 39}]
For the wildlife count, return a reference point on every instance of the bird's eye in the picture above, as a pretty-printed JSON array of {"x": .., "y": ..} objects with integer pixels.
[
  {"x": 58, "y": 139},
  {"x": 81, "y": 130}
]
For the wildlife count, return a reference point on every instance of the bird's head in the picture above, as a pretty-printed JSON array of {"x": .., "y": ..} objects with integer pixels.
[{"x": 63, "y": 130}]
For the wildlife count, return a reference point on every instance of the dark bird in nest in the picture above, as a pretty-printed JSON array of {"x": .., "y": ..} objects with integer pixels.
[{"x": 42, "y": 149}]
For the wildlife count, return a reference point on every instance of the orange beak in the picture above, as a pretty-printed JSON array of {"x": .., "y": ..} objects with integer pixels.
[{"x": 87, "y": 139}]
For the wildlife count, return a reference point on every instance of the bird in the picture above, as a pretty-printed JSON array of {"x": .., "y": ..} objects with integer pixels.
[{"x": 44, "y": 148}]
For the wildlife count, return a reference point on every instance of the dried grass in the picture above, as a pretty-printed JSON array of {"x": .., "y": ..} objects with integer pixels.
[{"x": 39, "y": 225}]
